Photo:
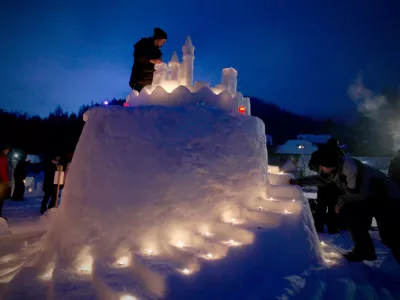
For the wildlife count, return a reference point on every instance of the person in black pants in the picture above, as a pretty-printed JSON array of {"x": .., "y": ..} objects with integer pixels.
[
  {"x": 365, "y": 193},
  {"x": 19, "y": 177},
  {"x": 49, "y": 188}
]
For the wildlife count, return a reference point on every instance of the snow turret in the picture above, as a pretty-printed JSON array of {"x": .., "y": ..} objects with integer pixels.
[
  {"x": 188, "y": 59},
  {"x": 174, "y": 66},
  {"x": 161, "y": 74},
  {"x": 229, "y": 79}
]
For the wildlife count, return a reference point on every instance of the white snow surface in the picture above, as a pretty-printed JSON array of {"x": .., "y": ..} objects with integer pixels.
[{"x": 171, "y": 203}]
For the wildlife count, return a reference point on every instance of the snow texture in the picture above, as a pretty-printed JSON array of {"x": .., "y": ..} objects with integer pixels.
[{"x": 171, "y": 203}]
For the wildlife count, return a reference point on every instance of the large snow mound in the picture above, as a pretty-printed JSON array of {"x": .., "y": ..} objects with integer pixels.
[{"x": 165, "y": 193}]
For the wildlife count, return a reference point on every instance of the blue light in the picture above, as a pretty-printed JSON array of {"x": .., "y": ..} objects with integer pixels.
[{"x": 105, "y": 102}]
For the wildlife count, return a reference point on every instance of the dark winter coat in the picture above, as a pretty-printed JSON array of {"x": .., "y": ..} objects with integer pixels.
[
  {"x": 3, "y": 168},
  {"x": 49, "y": 173},
  {"x": 357, "y": 182},
  {"x": 143, "y": 69},
  {"x": 394, "y": 170},
  {"x": 20, "y": 171}
]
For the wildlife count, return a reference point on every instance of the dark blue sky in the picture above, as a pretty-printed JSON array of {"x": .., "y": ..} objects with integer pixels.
[{"x": 301, "y": 55}]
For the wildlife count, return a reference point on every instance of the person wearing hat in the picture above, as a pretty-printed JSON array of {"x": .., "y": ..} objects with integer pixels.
[
  {"x": 365, "y": 193},
  {"x": 327, "y": 195},
  {"x": 146, "y": 54},
  {"x": 4, "y": 183}
]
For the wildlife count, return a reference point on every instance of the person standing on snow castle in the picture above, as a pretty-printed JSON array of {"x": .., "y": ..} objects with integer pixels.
[{"x": 146, "y": 54}]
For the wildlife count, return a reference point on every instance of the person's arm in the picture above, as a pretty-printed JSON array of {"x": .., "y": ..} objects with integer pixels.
[
  {"x": 143, "y": 55},
  {"x": 314, "y": 180}
]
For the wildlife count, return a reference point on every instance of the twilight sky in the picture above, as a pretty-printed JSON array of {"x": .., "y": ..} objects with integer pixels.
[{"x": 301, "y": 55}]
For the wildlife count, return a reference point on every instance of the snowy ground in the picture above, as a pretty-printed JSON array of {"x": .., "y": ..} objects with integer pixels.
[{"x": 340, "y": 280}]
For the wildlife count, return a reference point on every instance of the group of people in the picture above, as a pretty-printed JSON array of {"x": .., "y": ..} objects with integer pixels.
[
  {"x": 49, "y": 188},
  {"x": 359, "y": 193}
]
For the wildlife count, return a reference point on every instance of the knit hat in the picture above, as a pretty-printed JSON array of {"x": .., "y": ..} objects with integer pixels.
[
  {"x": 329, "y": 158},
  {"x": 159, "y": 34}
]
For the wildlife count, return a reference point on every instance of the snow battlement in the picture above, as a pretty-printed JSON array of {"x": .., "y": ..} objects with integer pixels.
[{"x": 173, "y": 86}]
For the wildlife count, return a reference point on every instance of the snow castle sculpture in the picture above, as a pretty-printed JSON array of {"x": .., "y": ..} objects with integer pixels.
[{"x": 177, "y": 77}]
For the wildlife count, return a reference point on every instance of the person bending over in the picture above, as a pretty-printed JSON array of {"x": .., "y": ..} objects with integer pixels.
[{"x": 146, "y": 54}]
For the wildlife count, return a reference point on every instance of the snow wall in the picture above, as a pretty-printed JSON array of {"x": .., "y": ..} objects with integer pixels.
[{"x": 173, "y": 203}]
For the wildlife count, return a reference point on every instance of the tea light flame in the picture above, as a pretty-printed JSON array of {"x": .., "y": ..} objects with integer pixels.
[
  {"x": 209, "y": 255},
  {"x": 186, "y": 271},
  {"x": 123, "y": 261},
  {"x": 180, "y": 244},
  {"x": 207, "y": 233},
  {"x": 48, "y": 273},
  {"x": 232, "y": 243},
  {"x": 149, "y": 252},
  {"x": 127, "y": 297},
  {"x": 286, "y": 212}
]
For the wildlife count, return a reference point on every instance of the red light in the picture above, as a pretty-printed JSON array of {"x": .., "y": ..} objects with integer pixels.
[
  {"x": 126, "y": 104},
  {"x": 242, "y": 109}
]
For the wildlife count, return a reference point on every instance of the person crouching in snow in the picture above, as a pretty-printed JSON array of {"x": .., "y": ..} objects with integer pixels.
[
  {"x": 327, "y": 195},
  {"x": 365, "y": 193},
  {"x": 146, "y": 54}
]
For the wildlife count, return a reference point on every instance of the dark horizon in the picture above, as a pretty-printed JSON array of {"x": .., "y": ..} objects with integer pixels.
[{"x": 302, "y": 57}]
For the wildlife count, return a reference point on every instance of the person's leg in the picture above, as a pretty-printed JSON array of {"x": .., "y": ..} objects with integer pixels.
[
  {"x": 320, "y": 210},
  {"x": 388, "y": 221},
  {"x": 359, "y": 218},
  {"x": 3, "y": 194},
  {"x": 53, "y": 198},
  {"x": 331, "y": 216},
  {"x": 45, "y": 201}
]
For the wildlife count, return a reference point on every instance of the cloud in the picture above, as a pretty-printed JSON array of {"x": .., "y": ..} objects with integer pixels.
[{"x": 368, "y": 102}]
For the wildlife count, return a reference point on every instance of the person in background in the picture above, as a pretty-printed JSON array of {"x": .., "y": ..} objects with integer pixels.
[
  {"x": 146, "y": 54},
  {"x": 365, "y": 193},
  {"x": 327, "y": 195},
  {"x": 4, "y": 182},
  {"x": 394, "y": 169},
  {"x": 19, "y": 179},
  {"x": 49, "y": 188}
]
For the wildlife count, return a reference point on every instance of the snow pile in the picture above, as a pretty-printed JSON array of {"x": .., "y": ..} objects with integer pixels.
[{"x": 156, "y": 194}]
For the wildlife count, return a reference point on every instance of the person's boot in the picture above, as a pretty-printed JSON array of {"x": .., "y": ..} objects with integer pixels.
[{"x": 352, "y": 256}]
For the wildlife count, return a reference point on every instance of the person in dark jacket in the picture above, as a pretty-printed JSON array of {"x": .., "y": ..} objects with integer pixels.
[
  {"x": 49, "y": 188},
  {"x": 394, "y": 169},
  {"x": 146, "y": 54},
  {"x": 366, "y": 193},
  {"x": 3, "y": 175},
  {"x": 19, "y": 178},
  {"x": 327, "y": 195}
]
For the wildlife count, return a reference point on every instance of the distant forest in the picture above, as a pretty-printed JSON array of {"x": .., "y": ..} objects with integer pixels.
[{"x": 60, "y": 131}]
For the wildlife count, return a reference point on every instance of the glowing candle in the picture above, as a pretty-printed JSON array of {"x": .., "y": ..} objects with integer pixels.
[
  {"x": 186, "y": 271},
  {"x": 127, "y": 297},
  {"x": 209, "y": 255},
  {"x": 180, "y": 244},
  {"x": 149, "y": 252},
  {"x": 123, "y": 261}
]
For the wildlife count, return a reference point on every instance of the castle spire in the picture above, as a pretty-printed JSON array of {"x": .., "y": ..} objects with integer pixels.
[{"x": 188, "y": 59}]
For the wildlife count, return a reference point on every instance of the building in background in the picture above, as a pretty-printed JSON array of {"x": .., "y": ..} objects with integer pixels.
[{"x": 318, "y": 139}]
